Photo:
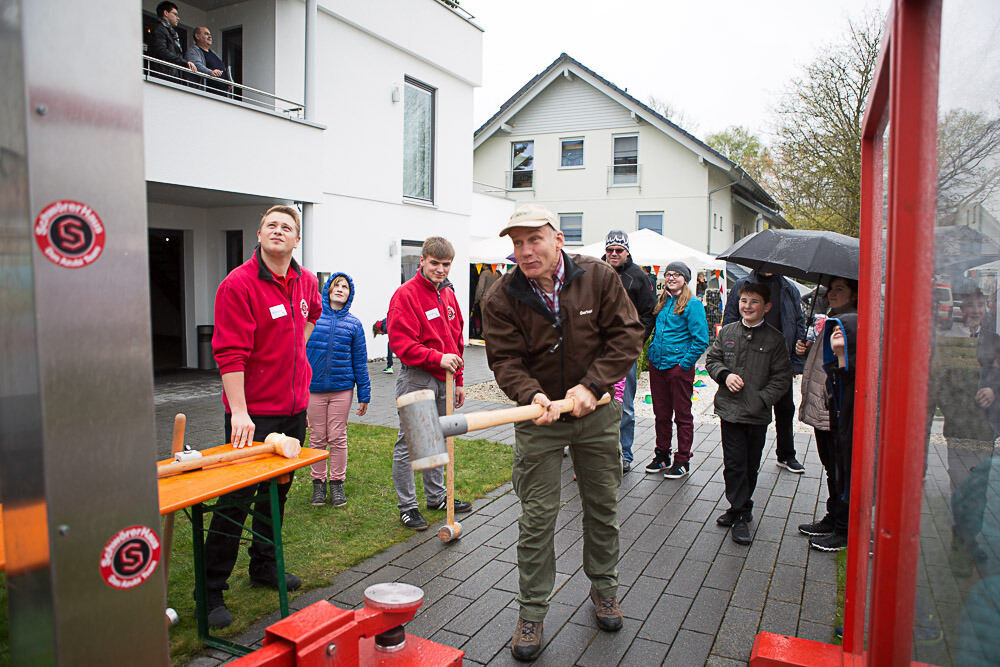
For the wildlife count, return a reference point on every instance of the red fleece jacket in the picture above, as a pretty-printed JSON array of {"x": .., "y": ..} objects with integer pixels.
[
  {"x": 260, "y": 330},
  {"x": 425, "y": 323}
]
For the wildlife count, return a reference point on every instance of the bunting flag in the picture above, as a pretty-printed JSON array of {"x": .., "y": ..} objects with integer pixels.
[
  {"x": 656, "y": 269},
  {"x": 479, "y": 268},
  {"x": 494, "y": 267},
  {"x": 510, "y": 267}
]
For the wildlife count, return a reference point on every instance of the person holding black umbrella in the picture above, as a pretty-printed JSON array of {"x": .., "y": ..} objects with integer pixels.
[{"x": 785, "y": 316}]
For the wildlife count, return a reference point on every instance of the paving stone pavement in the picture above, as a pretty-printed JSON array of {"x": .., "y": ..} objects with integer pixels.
[{"x": 689, "y": 594}]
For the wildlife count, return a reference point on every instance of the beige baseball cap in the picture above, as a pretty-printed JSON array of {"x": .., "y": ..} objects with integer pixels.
[{"x": 530, "y": 215}]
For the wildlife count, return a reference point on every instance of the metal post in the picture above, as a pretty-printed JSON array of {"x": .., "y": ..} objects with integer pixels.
[
  {"x": 309, "y": 95},
  {"x": 76, "y": 403}
]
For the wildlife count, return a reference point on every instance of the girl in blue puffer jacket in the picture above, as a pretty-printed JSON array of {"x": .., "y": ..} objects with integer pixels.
[{"x": 339, "y": 358}]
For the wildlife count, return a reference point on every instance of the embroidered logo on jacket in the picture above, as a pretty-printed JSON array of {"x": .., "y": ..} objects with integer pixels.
[
  {"x": 451, "y": 313},
  {"x": 586, "y": 312},
  {"x": 304, "y": 307}
]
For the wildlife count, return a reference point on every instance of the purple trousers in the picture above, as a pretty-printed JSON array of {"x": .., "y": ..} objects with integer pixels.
[{"x": 671, "y": 390}]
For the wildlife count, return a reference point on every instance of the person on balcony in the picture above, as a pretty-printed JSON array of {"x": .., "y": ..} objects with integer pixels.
[
  {"x": 206, "y": 61},
  {"x": 166, "y": 45}
]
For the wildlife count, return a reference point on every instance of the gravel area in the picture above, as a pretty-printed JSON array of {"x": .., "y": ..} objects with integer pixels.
[{"x": 702, "y": 408}]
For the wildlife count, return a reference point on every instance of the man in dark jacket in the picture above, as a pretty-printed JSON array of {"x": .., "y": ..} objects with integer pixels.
[
  {"x": 560, "y": 325},
  {"x": 786, "y": 316},
  {"x": 165, "y": 44},
  {"x": 636, "y": 285}
]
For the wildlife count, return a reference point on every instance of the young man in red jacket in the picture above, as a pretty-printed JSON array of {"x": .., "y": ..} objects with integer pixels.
[
  {"x": 425, "y": 331},
  {"x": 264, "y": 313}
]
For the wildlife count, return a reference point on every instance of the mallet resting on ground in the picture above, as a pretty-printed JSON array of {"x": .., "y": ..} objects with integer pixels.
[
  {"x": 425, "y": 431},
  {"x": 274, "y": 443}
]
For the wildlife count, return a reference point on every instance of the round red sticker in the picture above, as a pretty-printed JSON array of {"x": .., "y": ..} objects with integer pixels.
[
  {"x": 69, "y": 234},
  {"x": 130, "y": 557}
]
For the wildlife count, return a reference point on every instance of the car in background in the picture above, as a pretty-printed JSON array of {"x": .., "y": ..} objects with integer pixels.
[{"x": 944, "y": 305}]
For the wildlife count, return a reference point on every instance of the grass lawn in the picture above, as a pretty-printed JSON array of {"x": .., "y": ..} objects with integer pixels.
[
  {"x": 321, "y": 542},
  {"x": 838, "y": 620}
]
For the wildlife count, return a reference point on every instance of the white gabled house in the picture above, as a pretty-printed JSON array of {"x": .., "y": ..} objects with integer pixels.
[
  {"x": 357, "y": 112},
  {"x": 601, "y": 159}
]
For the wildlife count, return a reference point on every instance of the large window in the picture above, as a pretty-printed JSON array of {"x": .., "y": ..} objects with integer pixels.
[
  {"x": 522, "y": 165},
  {"x": 626, "y": 166},
  {"x": 571, "y": 225},
  {"x": 651, "y": 220},
  {"x": 418, "y": 141},
  {"x": 572, "y": 153}
]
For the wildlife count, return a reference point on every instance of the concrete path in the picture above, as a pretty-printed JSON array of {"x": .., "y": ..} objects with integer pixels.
[{"x": 689, "y": 594}]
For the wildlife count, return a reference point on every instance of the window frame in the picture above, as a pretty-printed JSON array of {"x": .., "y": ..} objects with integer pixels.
[
  {"x": 432, "y": 91},
  {"x": 577, "y": 214},
  {"x": 614, "y": 165},
  {"x": 513, "y": 169},
  {"x": 562, "y": 148},
  {"x": 638, "y": 216}
]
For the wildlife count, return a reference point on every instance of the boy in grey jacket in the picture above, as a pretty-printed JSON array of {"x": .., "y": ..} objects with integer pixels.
[{"x": 749, "y": 360}]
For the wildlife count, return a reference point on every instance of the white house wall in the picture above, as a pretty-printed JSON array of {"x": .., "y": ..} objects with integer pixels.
[{"x": 567, "y": 104}]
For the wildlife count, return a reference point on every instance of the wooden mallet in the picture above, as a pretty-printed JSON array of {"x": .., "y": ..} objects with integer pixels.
[
  {"x": 275, "y": 443},
  {"x": 180, "y": 421}
]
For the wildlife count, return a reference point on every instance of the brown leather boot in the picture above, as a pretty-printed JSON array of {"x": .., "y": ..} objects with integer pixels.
[
  {"x": 527, "y": 641},
  {"x": 608, "y": 613}
]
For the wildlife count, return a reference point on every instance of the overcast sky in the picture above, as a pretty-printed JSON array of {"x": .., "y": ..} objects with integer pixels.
[{"x": 716, "y": 62}]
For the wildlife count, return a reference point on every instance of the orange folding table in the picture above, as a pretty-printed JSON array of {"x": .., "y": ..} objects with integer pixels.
[{"x": 191, "y": 490}]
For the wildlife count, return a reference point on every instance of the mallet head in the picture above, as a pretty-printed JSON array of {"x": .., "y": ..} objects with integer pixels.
[
  {"x": 449, "y": 532},
  {"x": 284, "y": 445},
  {"x": 418, "y": 418}
]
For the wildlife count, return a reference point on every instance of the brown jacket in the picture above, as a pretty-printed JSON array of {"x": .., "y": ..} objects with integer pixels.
[{"x": 596, "y": 340}]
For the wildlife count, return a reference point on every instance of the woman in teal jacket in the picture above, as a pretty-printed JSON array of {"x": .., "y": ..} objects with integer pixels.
[{"x": 680, "y": 336}]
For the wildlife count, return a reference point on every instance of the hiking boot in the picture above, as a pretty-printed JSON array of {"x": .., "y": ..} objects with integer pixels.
[
  {"x": 676, "y": 471},
  {"x": 526, "y": 643},
  {"x": 831, "y": 542},
  {"x": 822, "y": 527},
  {"x": 729, "y": 517},
  {"x": 337, "y": 497},
  {"x": 741, "y": 532},
  {"x": 460, "y": 506},
  {"x": 319, "y": 493},
  {"x": 218, "y": 615},
  {"x": 270, "y": 580},
  {"x": 607, "y": 612},
  {"x": 791, "y": 465},
  {"x": 413, "y": 519},
  {"x": 660, "y": 462}
]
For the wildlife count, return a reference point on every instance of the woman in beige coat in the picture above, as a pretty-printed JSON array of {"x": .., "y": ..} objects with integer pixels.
[{"x": 843, "y": 298}]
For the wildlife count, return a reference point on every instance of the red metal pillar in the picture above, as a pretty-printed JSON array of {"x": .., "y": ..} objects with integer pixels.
[{"x": 908, "y": 280}]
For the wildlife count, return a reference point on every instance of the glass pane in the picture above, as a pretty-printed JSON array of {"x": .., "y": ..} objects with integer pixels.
[
  {"x": 572, "y": 228},
  {"x": 418, "y": 145},
  {"x": 572, "y": 153},
  {"x": 523, "y": 156},
  {"x": 626, "y": 150},
  {"x": 652, "y": 221},
  {"x": 958, "y": 577}
]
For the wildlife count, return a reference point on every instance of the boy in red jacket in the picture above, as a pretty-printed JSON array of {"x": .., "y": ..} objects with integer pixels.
[
  {"x": 265, "y": 310},
  {"x": 425, "y": 332}
]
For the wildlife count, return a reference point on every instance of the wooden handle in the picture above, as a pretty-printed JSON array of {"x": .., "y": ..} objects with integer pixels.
[
  {"x": 488, "y": 418},
  {"x": 180, "y": 421},
  {"x": 195, "y": 464},
  {"x": 450, "y": 446}
]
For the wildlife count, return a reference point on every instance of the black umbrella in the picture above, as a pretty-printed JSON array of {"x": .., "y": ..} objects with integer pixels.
[{"x": 806, "y": 254}]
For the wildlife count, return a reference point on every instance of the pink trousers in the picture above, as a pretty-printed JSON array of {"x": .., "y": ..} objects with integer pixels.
[{"x": 328, "y": 430}]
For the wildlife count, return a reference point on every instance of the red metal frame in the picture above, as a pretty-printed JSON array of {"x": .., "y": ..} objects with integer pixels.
[{"x": 904, "y": 94}]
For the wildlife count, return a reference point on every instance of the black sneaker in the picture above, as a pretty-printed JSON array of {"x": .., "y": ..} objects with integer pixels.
[
  {"x": 460, "y": 506},
  {"x": 822, "y": 527},
  {"x": 791, "y": 465},
  {"x": 676, "y": 471},
  {"x": 626, "y": 466},
  {"x": 270, "y": 580},
  {"x": 413, "y": 519},
  {"x": 741, "y": 532},
  {"x": 337, "y": 497},
  {"x": 831, "y": 542},
  {"x": 218, "y": 614},
  {"x": 660, "y": 462},
  {"x": 729, "y": 517},
  {"x": 319, "y": 493}
]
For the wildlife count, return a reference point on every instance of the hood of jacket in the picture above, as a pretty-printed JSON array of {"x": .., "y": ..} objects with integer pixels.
[
  {"x": 327, "y": 308},
  {"x": 849, "y": 323}
]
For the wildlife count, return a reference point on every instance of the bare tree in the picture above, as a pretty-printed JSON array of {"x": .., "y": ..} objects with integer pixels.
[
  {"x": 818, "y": 150},
  {"x": 968, "y": 153},
  {"x": 671, "y": 113}
]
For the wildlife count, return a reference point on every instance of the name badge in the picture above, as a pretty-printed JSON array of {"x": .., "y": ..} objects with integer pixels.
[
  {"x": 432, "y": 314},
  {"x": 278, "y": 311}
]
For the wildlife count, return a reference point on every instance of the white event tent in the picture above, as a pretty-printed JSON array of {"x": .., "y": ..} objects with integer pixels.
[{"x": 648, "y": 248}]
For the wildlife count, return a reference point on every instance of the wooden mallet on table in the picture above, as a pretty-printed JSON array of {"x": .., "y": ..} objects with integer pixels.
[
  {"x": 274, "y": 443},
  {"x": 180, "y": 421},
  {"x": 452, "y": 529},
  {"x": 425, "y": 431}
]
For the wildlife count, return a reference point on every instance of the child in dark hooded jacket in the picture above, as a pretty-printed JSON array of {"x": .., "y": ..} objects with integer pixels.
[{"x": 840, "y": 349}]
